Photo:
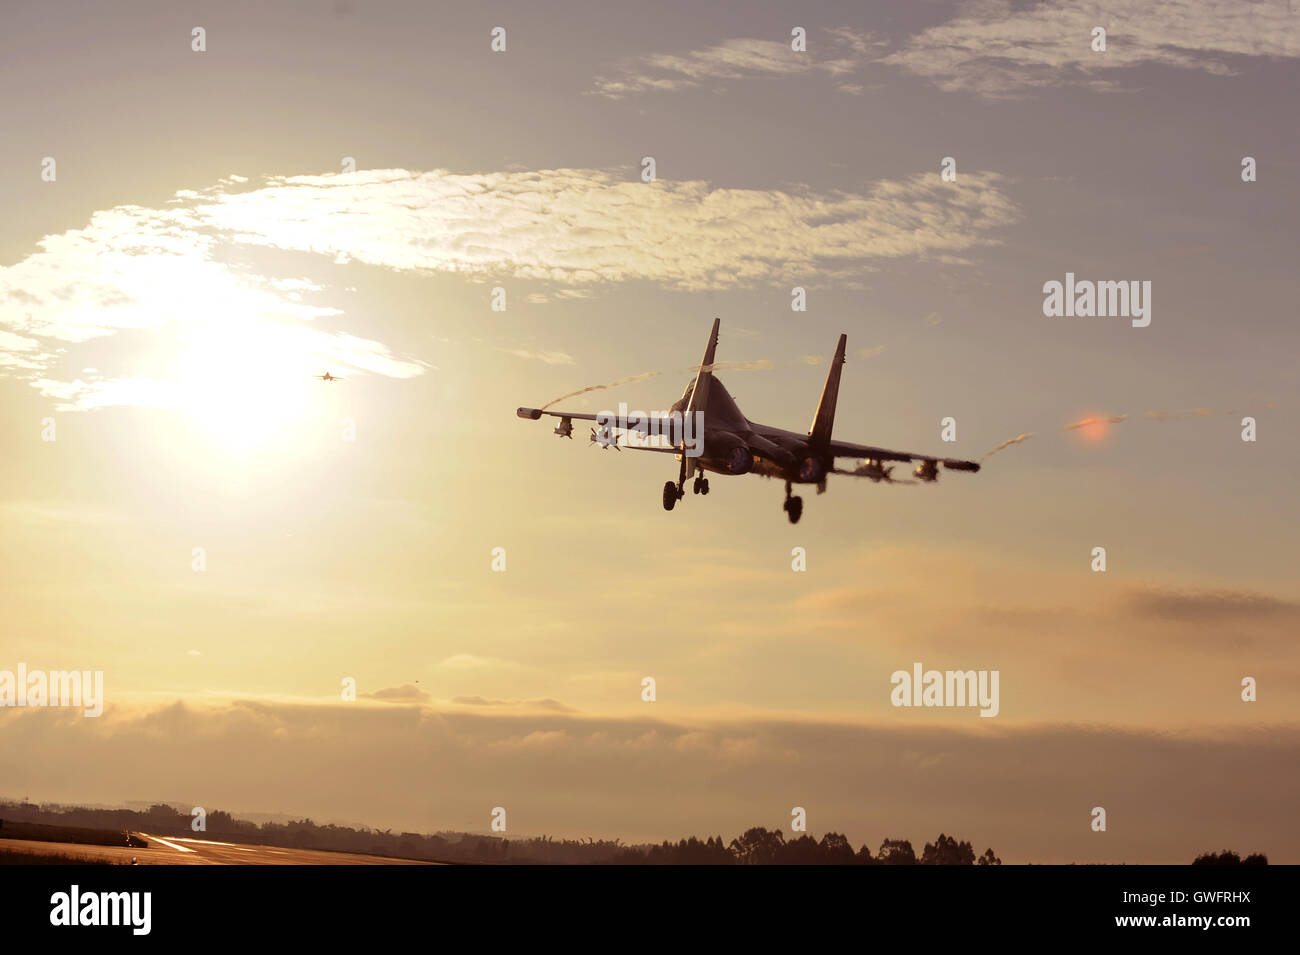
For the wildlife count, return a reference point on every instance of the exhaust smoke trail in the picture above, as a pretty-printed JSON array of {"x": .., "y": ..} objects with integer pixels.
[
  {"x": 1094, "y": 421},
  {"x": 1007, "y": 443},
  {"x": 613, "y": 384},
  {"x": 760, "y": 364},
  {"x": 1175, "y": 415},
  {"x": 1094, "y": 425}
]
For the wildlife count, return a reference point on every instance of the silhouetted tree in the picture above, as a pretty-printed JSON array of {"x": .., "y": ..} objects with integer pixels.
[
  {"x": 757, "y": 846},
  {"x": 947, "y": 851},
  {"x": 988, "y": 858},
  {"x": 836, "y": 849},
  {"x": 801, "y": 851},
  {"x": 896, "y": 852},
  {"x": 1228, "y": 857}
]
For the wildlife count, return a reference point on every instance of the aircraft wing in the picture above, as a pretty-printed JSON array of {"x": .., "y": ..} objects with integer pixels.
[
  {"x": 536, "y": 413},
  {"x": 659, "y": 424},
  {"x": 846, "y": 449},
  {"x": 648, "y": 447}
]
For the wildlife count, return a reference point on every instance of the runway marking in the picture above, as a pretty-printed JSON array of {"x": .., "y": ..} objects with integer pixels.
[
  {"x": 211, "y": 842},
  {"x": 170, "y": 845}
]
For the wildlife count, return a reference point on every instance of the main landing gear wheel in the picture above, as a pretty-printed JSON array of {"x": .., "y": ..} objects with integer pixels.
[
  {"x": 670, "y": 495},
  {"x": 793, "y": 506},
  {"x": 793, "y": 509}
]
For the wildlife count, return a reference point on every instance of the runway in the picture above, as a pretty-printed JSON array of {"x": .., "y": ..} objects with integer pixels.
[{"x": 175, "y": 850}]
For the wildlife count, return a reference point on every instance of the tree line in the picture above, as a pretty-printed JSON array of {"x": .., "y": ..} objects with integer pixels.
[
  {"x": 760, "y": 846},
  {"x": 756, "y": 846}
]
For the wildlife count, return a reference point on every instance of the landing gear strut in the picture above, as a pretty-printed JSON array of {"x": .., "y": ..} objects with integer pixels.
[{"x": 793, "y": 506}]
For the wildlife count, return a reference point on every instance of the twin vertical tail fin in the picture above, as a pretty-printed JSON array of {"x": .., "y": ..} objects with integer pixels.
[
  {"x": 699, "y": 396},
  {"x": 820, "y": 433},
  {"x": 703, "y": 380}
]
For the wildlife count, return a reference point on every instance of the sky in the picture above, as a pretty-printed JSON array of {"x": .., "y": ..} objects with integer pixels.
[{"x": 342, "y": 188}]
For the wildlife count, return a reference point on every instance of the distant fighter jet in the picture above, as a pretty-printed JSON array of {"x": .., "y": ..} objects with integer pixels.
[
  {"x": 328, "y": 377},
  {"x": 732, "y": 444}
]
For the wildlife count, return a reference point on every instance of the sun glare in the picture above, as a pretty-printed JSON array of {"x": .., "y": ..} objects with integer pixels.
[
  {"x": 1094, "y": 428},
  {"x": 247, "y": 386}
]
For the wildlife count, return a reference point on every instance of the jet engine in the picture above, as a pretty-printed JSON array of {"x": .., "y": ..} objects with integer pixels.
[
  {"x": 811, "y": 468},
  {"x": 739, "y": 460},
  {"x": 927, "y": 470},
  {"x": 729, "y": 449}
]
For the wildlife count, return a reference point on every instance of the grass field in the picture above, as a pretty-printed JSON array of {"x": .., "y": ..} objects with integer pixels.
[
  {"x": 78, "y": 835},
  {"x": 18, "y": 857}
]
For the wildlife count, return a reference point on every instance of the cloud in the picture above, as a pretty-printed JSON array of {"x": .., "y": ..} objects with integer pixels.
[
  {"x": 468, "y": 661},
  {"x": 553, "y": 706},
  {"x": 1026, "y": 791},
  {"x": 1055, "y": 635},
  {"x": 158, "y": 272},
  {"x": 582, "y": 227},
  {"x": 406, "y": 693},
  {"x": 548, "y": 357},
  {"x": 154, "y": 271},
  {"x": 997, "y": 50},
  {"x": 1215, "y": 606},
  {"x": 833, "y": 52},
  {"x": 79, "y": 395}
]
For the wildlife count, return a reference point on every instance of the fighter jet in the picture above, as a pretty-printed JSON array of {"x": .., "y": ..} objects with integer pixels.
[
  {"x": 328, "y": 377},
  {"x": 731, "y": 444}
]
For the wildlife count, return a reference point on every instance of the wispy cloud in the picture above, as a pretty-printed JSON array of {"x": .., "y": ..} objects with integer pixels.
[
  {"x": 151, "y": 270},
  {"x": 835, "y": 52},
  {"x": 997, "y": 50},
  {"x": 553, "y": 706},
  {"x": 583, "y": 227},
  {"x": 164, "y": 272},
  {"x": 407, "y": 693},
  {"x": 548, "y": 357}
]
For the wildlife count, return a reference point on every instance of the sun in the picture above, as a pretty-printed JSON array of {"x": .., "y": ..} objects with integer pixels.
[{"x": 246, "y": 386}]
